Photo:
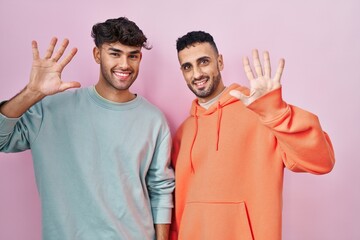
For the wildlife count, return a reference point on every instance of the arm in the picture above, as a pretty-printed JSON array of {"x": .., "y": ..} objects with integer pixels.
[
  {"x": 160, "y": 182},
  {"x": 16, "y": 133},
  {"x": 44, "y": 79},
  {"x": 301, "y": 141},
  {"x": 162, "y": 231},
  {"x": 303, "y": 145},
  {"x": 173, "y": 235}
]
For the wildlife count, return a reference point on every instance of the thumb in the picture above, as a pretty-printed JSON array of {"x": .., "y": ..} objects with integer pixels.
[
  {"x": 246, "y": 100},
  {"x": 237, "y": 94},
  {"x": 66, "y": 85}
]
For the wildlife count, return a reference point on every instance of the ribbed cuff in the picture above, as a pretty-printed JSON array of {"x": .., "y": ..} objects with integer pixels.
[
  {"x": 7, "y": 124},
  {"x": 162, "y": 215},
  {"x": 270, "y": 106}
]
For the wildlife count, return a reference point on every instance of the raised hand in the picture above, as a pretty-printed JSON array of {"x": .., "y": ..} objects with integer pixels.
[
  {"x": 261, "y": 83},
  {"x": 45, "y": 76}
]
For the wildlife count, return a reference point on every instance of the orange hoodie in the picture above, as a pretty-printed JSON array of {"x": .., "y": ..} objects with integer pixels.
[{"x": 229, "y": 162}]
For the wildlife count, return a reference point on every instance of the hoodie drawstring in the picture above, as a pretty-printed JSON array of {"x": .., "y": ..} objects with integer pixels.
[
  {"x": 219, "y": 112},
  {"x": 218, "y": 127},
  {"x": 194, "y": 139}
]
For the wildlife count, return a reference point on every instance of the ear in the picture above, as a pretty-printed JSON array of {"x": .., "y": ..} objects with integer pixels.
[
  {"x": 96, "y": 53},
  {"x": 220, "y": 62}
]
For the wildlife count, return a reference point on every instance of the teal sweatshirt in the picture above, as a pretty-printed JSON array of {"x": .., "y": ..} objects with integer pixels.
[{"x": 102, "y": 168}]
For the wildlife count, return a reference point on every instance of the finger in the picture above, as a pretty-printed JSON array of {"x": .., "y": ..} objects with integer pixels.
[
  {"x": 257, "y": 64},
  {"x": 61, "y": 50},
  {"x": 237, "y": 94},
  {"x": 68, "y": 58},
  {"x": 267, "y": 67},
  {"x": 279, "y": 70},
  {"x": 35, "y": 50},
  {"x": 50, "y": 49},
  {"x": 247, "y": 68},
  {"x": 67, "y": 85}
]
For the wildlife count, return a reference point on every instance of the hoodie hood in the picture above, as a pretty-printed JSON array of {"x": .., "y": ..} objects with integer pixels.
[
  {"x": 225, "y": 99},
  {"x": 197, "y": 111}
]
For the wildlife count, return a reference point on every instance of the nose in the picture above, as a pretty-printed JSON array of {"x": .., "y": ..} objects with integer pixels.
[
  {"x": 197, "y": 73},
  {"x": 123, "y": 62}
]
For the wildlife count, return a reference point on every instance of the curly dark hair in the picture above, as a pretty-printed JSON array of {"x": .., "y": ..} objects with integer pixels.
[
  {"x": 119, "y": 30},
  {"x": 195, "y": 37}
]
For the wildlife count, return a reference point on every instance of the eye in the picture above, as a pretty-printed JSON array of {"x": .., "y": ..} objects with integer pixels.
[
  {"x": 186, "y": 67},
  {"x": 204, "y": 61},
  {"x": 133, "y": 56}
]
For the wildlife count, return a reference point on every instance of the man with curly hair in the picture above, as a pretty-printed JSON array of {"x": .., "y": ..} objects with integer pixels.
[{"x": 101, "y": 153}]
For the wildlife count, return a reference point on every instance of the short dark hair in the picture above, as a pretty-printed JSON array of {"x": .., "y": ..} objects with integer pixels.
[
  {"x": 119, "y": 30},
  {"x": 195, "y": 37}
]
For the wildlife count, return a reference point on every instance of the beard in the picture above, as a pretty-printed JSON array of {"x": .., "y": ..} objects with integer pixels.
[{"x": 206, "y": 92}]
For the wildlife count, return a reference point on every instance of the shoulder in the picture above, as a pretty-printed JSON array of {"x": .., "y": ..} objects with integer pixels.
[
  {"x": 188, "y": 125},
  {"x": 151, "y": 112},
  {"x": 149, "y": 107}
]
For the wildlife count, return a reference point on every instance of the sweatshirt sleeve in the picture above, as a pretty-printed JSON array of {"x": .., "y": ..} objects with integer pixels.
[
  {"x": 174, "y": 154},
  {"x": 17, "y": 134},
  {"x": 160, "y": 181},
  {"x": 303, "y": 144}
]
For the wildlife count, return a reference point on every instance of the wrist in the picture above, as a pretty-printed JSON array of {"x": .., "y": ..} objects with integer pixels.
[
  {"x": 31, "y": 94},
  {"x": 269, "y": 106},
  {"x": 20, "y": 103}
]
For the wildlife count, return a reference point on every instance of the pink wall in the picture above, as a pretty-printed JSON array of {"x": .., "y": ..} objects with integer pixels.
[{"x": 319, "y": 40}]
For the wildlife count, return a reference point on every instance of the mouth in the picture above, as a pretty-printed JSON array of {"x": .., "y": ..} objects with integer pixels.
[
  {"x": 200, "y": 83},
  {"x": 122, "y": 75}
]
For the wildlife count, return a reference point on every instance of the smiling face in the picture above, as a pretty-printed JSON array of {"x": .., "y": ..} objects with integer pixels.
[
  {"x": 201, "y": 66},
  {"x": 119, "y": 68}
]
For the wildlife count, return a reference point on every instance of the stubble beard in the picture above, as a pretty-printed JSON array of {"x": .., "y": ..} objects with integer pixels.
[{"x": 208, "y": 91}]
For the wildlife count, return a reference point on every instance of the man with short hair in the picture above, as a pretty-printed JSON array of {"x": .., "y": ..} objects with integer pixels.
[
  {"x": 101, "y": 154},
  {"x": 229, "y": 154}
]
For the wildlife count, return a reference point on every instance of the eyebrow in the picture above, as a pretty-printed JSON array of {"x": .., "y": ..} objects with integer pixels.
[
  {"x": 197, "y": 61},
  {"x": 120, "y": 51}
]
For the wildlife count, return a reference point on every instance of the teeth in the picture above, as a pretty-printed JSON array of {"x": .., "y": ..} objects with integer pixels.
[
  {"x": 200, "y": 83},
  {"x": 121, "y": 74}
]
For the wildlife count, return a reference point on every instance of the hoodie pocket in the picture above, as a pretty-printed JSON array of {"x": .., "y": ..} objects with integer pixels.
[{"x": 214, "y": 221}]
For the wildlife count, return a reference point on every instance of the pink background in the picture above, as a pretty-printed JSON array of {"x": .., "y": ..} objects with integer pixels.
[{"x": 319, "y": 39}]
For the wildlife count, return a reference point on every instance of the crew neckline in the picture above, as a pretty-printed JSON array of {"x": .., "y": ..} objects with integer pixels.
[{"x": 105, "y": 103}]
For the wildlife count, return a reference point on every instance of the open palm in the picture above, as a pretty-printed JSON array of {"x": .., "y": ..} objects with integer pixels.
[
  {"x": 45, "y": 77},
  {"x": 261, "y": 83}
]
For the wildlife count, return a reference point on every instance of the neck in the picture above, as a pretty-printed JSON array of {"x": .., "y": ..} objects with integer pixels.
[
  {"x": 210, "y": 102},
  {"x": 114, "y": 95},
  {"x": 216, "y": 93}
]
